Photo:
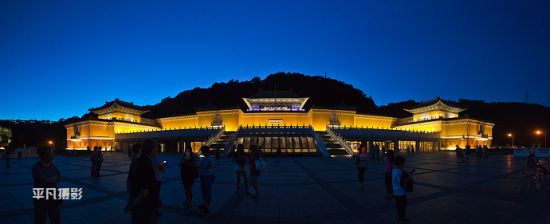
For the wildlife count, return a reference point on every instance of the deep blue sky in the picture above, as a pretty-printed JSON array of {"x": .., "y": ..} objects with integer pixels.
[{"x": 58, "y": 59}]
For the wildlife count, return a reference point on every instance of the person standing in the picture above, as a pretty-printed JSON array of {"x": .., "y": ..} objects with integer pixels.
[
  {"x": 388, "y": 161},
  {"x": 408, "y": 151},
  {"x": 46, "y": 175},
  {"x": 256, "y": 165},
  {"x": 278, "y": 154},
  {"x": 361, "y": 163},
  {"x": 159, "y": 166},
  {"x": 218, "y": 157},
  {"x": 240, "y": 161},
  {"x": 188, "y": 174},
  {"x": 131, "y": 179},
  {"x": 99, "y": 161},
  {"x": 7, "y": 156},
  {"x": 93, "y": 159},
  {"x": 206, "y": 175},
  {"x": 399, "y": 180},
  {"x": 19, "y": 153},
  {"x": 141, "y": 199}
]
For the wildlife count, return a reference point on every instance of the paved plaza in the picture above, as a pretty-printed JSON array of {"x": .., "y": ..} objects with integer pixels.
[{"x": 299, "y": 190}]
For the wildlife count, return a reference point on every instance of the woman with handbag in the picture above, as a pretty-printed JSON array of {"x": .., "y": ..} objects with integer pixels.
[{"x": 189, "y": 172}]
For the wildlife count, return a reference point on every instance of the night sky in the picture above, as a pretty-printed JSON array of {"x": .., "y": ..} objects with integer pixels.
[{"x": 60, "y": 58}]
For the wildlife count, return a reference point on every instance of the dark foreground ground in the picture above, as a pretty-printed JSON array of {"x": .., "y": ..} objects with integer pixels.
[{"x": 300, "y": 190}]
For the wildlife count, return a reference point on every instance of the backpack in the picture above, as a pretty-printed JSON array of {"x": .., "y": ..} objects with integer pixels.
[{"x": 406, "y": 182}]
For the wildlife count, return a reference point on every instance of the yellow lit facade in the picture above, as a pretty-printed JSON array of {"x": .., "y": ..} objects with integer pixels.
[{"x": 122, "y": 117}]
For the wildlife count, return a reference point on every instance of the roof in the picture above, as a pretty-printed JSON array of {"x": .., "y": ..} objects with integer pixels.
[
  {"x": 275, "y": 94},
  {"x": 435, "y": 104},
  {"x": 117, "y": 105}
]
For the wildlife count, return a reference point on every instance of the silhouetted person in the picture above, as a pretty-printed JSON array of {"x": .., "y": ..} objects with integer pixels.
[
  {"x": 278, "y": 153},
  {"x": 388, "y": 161},
  {"x": 189, "y": 172},
  {"x": 135, "y": 152},
  {"x": 93, "y": 159},
  {"x": 159, "y": 166},
  {"x": 361, "y": 163},
  {"x": 256, "y": 164},
  {"x": 239, "y": 158},
  {"x": 207, "y": 178},
  {"x": 131, "y": 180},
  {"x": 99, "y": 161},
  {"x": 141, "y": 199},
  {"x": 46, "y": 175},
  {"x": 218, "y": 156},
  {"x": 19, "y": 153},
  {"x": 7, "y": 156}
]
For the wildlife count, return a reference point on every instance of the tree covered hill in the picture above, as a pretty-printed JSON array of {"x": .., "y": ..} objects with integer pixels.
[{"x": 520, "y": 119}]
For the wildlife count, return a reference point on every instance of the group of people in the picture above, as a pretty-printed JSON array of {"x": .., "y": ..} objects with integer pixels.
[
  {"x": 96, "y": 157},
  {"x": 462, "y": 154},
  {"x": 397, "y": 180}
]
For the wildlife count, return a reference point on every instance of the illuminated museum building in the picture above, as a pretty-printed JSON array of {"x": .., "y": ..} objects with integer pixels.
[{"x": 278, "y": 120}]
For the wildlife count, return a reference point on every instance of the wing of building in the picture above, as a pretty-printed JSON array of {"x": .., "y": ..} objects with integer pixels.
[{"x": 277, "y": 121}]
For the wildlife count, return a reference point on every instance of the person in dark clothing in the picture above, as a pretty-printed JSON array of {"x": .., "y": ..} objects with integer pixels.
[
  {"x": 141, "y": 196},
  {"x": 131, "y": 171},
  {"x": 239, "y": 158},
  {"x": 99, "y": 161},
  {"x": 256, "y": 164},
  {"x": 46, "y": 175},
  {"x": 387, "y": 174},
  {"x": 93, "y": 159},
  {"x": 218, "y": 156},
  {"x": 189, "y": 172},
  {"x": 7, "y": 156}
]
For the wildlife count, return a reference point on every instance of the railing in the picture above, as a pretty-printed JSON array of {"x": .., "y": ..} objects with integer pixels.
[
  {"x": 215, "y": 138},
  {"x": 228, "y": 148},
  {"x": 319, "y": 143},
  {"x": 340, "y": 140}
]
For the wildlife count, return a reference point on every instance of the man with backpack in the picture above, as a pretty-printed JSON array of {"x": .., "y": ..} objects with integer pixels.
[{"x": 402, "y": 183}]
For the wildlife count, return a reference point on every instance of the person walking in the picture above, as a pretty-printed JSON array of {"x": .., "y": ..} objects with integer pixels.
[
  {"x": 46, "y": 176},
  {"x": 361, "y": 163},
  {"x": 189, "y": 172},
  {"x": 142, "y": 198},
  {"x": 207, "y": 178},
  {"x": 388, "y": 161},
  {"x": 256, "y": 166},
  {"x": 400, "y": 179},
  {"x": 240, "y": 161}
]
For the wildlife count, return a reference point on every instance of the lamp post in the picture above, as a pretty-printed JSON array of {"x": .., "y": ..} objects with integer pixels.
[
  {"x": 50, "y": 142},
  {"x": 539, "y": 132},
  {"x": 510, "y": 135}
]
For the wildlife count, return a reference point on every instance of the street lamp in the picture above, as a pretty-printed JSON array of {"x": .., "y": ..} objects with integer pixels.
[
  {"x": 510, "y": 135},
  {"x": 539, "y": 132},
  {"x": 50, "y": 142}
]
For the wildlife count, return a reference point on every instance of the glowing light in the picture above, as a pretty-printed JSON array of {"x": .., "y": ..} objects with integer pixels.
[
  {"x": 50, "y": 142},
  {"x": 509, "y": 134},
  {"x": 538, "y": 132}
]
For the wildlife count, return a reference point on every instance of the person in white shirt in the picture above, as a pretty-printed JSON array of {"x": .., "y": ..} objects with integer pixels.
[{"x": 399, "y": 193}]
